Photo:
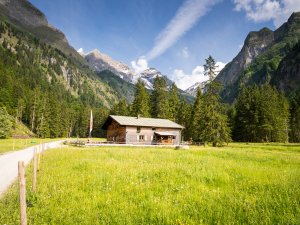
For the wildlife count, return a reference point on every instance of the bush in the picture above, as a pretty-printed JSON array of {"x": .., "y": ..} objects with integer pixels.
[{"x": 5, "y": 123}]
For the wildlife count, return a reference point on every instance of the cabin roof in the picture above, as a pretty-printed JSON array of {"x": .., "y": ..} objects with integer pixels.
[{"x": 142, "y": 122}]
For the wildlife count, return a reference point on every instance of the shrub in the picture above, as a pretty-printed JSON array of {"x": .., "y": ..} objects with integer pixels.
[{"x": 5, "y": 123}]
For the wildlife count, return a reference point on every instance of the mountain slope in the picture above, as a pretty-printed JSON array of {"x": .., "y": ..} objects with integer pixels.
[
  {"x": 50, "y": 92},
  {"x": 121, "y": 78},
  {"x": 192, "y": 90},
  {"x": 28, "y": 18},
  {"x": 122, "y": 88},
  {"x": 148, "y": 76},
  {"x": 102, "y": 62},
  {"x": 254, "y": 45},
  {"x": 287, "y": 76},
  {"x": 259, "y": 60}
]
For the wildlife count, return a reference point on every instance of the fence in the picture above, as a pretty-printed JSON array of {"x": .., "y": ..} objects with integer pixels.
[{"x": 37, "y": 153}]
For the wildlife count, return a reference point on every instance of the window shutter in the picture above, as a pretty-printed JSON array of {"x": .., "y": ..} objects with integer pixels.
[
  {"x": 137, "y": 137},
  {"x": 145, "y": 137},
  {"x": 151, "y": 138}
]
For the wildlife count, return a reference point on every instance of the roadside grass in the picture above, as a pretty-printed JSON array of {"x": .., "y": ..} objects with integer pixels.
[
  {"x": 235, "y": 184},
  {"x": 9, "y": 145}
]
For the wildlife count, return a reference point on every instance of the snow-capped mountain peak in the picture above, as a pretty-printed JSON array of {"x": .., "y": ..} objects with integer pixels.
[
  {"x": 101, "y": 62},
  {"x": 192, "y": 90}
]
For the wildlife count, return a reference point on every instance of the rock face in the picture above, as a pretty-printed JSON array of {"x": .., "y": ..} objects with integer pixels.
[
  {"x": 149, "y": 75},
  {"x": 101, "y": 62},
  {"x": 254, "y": 45},
  {"x": 266, "y": 56},
  {"x": 287, "y": 76},
  {"x": 194, "y": 88},
  {"x": 23, "y": 14}
]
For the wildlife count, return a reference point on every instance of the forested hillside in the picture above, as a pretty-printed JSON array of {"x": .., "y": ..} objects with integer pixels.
[{"x": 49, "y": 92}]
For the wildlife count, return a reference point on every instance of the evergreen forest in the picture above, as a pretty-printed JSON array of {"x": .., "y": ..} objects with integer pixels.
[{"x": 52, "y": 94}]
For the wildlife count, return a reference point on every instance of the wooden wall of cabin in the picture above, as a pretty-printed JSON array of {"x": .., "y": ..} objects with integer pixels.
[{"x": 116, "y": 133}]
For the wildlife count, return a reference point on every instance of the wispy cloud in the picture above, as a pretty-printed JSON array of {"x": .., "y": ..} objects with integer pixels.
[
  {"x": 264, "y": 10},
  {"x": 186, "y": 17}
]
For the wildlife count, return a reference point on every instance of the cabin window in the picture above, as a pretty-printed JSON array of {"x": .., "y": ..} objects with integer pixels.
[
  {"x": 142, "y": 137},
  {"x": 138, "y": 130}
]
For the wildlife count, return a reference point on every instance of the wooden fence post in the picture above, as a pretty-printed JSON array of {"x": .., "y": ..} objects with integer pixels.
[
  {"x": 39, "y": 157},
  {"x": 22, "y": 190},
  {"x": 34, "y": 170}
]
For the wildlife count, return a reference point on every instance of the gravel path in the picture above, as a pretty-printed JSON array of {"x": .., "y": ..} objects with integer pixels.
[{"x": 9, "y": 163}]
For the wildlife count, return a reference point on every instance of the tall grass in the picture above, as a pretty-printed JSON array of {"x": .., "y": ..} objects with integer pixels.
[
  {"x": 8, "y": 145},
  {"x": 238, "y": 184}
]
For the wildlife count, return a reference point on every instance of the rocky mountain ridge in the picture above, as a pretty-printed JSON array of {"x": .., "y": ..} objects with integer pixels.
[
  {"x": 261, "y": 58},
  {"x": 101, "y": 62},
  {"x": 192, "y": 90},
  {"x": 254, "y": 45},
  {"x": 28, "y": 18}
]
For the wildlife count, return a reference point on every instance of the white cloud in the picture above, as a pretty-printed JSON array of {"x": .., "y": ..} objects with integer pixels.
[
  {"x": 139, "y": 65},
  {"x": 81, "y": 51},
  {"x": 184, "y": 53},
  {"x": 184, "y": 81},
  {"x": 186, "y": 17},
  {"x": 264, "y": 10},
  {"x": 220, "y": 66}
]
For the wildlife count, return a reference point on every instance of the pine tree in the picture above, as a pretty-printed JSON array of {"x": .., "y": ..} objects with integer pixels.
[
  {"x": 246, "y": 118},
  {"x": 196, "y": 117},
  {"x": 121, "y": 109},
  {"x": 213, "y": 123},
  {"x": 262, "y": 115},
  {"x": 184, "y": 117},
  {"x": 141, "y": 102},
  {"x": 295, "y": 117},
  {"x": 173, "y": 103},
  {"x": 159, "y": 100}
]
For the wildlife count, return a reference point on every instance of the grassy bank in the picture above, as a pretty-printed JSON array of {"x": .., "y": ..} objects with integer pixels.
[
  {"x": 8, "y": 145},
  {"x": 241, "y": 184}
]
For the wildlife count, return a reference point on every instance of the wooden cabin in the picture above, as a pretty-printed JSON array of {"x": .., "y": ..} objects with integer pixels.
[{"x": 140, "y": 130}]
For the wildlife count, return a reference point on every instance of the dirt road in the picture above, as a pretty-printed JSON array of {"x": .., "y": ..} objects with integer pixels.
[{"x": 9, "y": 163}]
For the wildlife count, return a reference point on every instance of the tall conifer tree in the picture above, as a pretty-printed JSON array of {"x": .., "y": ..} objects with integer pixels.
[
  {"x": 141, "y": 102},
  {"x": 213, "y": 121},
  {"x": 159, "y": 99},
  {"x": 121, "y": 108},
  {"x": 196, "y": 117},
  {"x": 173, "y": 103},
  {"x": 262, "y": 115},
  {"x": 184, "y": 118}
]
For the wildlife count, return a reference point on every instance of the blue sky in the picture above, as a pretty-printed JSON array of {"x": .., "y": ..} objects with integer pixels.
[{"x": 173, "y": 36}]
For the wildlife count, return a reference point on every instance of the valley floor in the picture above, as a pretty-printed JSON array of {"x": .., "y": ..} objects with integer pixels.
[{"x": 239, "y": 183}]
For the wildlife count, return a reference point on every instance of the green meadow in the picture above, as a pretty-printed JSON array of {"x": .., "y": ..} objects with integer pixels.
[
  {"x": 9, "y": 145},
  {"x": 236, "y": 184}
]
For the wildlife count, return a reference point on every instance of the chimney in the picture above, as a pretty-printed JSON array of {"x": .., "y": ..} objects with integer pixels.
[{"x": 138, "y": 116}]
